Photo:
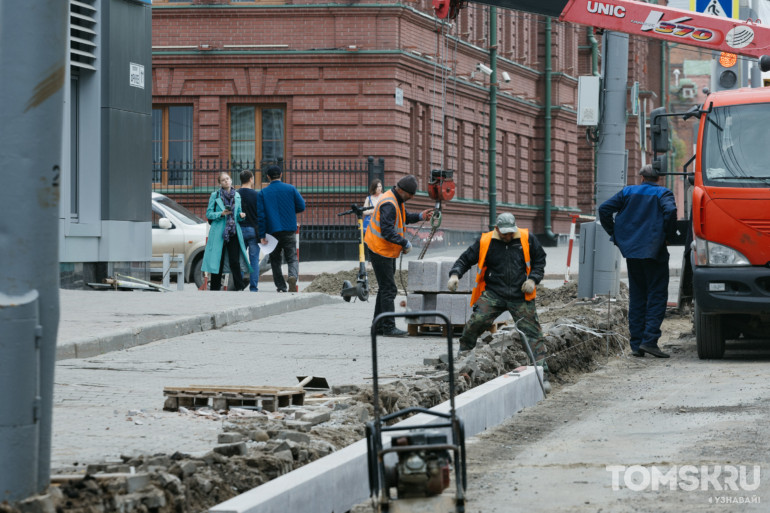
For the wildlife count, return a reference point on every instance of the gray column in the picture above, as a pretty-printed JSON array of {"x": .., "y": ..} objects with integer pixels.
[
  {"x": 33, "y": 57},
  {"x": 611, "y": 156}
]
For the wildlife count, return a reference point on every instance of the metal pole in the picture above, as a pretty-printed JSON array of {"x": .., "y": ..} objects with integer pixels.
[
  {"x": 611, "y": 156},
  {"x": 33, "y": 57},
  {"x": 492, "y": 117}
]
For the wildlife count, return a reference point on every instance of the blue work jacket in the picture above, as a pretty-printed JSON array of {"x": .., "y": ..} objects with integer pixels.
[{"x": 638, "y": 220}]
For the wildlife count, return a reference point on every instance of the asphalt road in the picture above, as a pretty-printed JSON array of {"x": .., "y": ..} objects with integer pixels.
[{"x": 603, "y": 443}]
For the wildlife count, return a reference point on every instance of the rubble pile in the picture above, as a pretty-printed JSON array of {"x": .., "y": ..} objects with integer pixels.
[
  {"x": 331, "y": 283},
  {"x": 257, "y": 446}
]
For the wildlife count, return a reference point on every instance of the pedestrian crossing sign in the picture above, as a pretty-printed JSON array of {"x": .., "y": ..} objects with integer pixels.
[{"x": 724, "y": 8}]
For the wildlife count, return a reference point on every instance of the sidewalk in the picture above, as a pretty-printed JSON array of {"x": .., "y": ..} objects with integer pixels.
[{"x": 96, "y": 322}]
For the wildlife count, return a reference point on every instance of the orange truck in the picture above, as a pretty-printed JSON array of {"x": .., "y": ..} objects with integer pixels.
[{"x": 726, "y": 268}]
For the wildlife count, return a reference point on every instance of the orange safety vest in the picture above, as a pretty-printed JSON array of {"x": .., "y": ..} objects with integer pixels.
[
  {"x": 481, "y": 285},
  {"x": 373, "y": 236}
]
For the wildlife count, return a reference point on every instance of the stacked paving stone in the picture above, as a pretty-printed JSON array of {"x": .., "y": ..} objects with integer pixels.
[{"x": 427, "y": 291}]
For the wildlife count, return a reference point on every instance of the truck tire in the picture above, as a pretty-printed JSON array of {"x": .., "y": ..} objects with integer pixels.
[
  {"x": 709, "y": 335},
  {"x": 196, "y": 274}
]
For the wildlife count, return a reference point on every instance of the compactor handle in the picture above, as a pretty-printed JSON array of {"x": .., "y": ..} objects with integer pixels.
[{"x": 354, "y": 209}]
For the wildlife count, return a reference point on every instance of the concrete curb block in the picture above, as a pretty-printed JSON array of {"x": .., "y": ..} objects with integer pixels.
[
  {"x": 339, "y": 481},
  {"x": 137, "y": 336}
]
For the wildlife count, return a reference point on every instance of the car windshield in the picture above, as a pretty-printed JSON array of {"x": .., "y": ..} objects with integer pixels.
[
  {"x": 184, "y": 215},
  {"x": 735, "y": 140}
]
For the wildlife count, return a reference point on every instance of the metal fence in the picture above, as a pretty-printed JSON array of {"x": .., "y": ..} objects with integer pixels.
[{"x": 328, "y": 187}]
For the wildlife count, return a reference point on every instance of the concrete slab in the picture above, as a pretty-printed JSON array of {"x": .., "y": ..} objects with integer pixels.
[{"x": 338, "y": 482}]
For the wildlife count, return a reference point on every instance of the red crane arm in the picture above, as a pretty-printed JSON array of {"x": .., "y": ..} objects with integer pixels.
[{"x": 649, "y": 20}]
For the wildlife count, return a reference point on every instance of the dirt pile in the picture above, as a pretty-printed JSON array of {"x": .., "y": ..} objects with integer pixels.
[
  {"x": 331, "y": 283},
  {"x": 255, "y": 447}
]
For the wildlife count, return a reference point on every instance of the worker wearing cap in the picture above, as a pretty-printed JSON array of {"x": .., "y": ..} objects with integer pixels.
[
  {"x": 386, "y": 241},
  {"x": 511, "y": 262},
  {"x": 638, "y": 219}
]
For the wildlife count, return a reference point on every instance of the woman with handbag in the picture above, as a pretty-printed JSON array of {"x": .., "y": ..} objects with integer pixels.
[{"x": 225, "y": 237}]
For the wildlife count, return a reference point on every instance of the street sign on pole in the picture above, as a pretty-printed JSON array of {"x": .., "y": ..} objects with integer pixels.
[{"x": 724, "y": 8}]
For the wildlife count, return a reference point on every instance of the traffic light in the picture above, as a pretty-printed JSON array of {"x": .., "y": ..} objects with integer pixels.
[{"x": 725, "y": 72}]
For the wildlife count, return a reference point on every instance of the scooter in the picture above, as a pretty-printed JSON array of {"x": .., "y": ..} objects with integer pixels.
[
  {"x": 412, "y": 474},
  {"x": 361, "y": 289}
]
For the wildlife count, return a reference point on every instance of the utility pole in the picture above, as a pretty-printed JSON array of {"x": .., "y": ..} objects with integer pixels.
[
  {"x": 492, "y": 142},
  {"x": 604, "y": 267},
  {"x": 33, "y": 57}
]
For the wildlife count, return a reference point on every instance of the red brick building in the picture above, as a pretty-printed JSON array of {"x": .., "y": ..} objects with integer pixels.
[{"x": 258, "y": 81}]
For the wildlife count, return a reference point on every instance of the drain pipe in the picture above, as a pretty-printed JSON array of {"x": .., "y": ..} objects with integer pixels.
[
  {"x": 551, "y": 237},
  {"x": 594, "y": 52}
]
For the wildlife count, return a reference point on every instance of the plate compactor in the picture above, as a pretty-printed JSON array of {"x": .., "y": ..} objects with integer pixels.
[
  {"x": 413, "y": 474},
  {"x": 361, "y": 288}
]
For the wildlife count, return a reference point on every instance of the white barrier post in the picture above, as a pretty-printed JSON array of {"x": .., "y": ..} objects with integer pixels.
[
  {"x": 297, "y": 242},
  {"x": 571, "y": 243}
]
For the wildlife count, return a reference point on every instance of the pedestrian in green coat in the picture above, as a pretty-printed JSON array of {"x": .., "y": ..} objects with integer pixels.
[{"x": 225, "y": 242}]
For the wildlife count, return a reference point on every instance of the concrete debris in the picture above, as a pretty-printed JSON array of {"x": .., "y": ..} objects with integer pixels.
[
  {"x": 236, "y": 449},
  {"x": 229, "y": 438}
]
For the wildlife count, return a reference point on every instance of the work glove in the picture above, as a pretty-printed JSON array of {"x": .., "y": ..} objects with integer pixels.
[
  {"x": 528, "y": 286},
  {"x": 452, "y": 283},
  {"x": 407, "y": 248}
]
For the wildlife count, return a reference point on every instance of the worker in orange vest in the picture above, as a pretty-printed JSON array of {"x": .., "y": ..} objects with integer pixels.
[
  {"x": 386, "y": 241},
  {"x": 511, "y": 262}
]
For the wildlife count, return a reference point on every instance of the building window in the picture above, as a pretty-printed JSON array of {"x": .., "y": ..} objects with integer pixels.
[
  {"x": 172, "y": 144},
  {"x": 257, "y": 135}
]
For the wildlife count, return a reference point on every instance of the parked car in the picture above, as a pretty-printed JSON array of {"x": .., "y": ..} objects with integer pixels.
[{"x": 178, "y": 231}]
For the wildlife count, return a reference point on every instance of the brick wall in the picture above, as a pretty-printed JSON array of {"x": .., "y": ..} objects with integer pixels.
[{"x": 336, "y": 70}]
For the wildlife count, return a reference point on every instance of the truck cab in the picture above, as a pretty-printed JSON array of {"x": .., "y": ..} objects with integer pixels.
[{"x": 729, "y": 256}]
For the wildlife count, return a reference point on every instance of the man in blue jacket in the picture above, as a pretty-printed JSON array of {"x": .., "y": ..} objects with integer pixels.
[
  {"x": 646, "y": 215},
  {"x": 277, "y": 209}
]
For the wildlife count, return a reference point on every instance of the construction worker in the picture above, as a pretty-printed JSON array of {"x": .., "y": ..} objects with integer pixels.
[
  {"x": 511, "y": 262},
  {"x": 646, "y": 215},
  {"x": 385, "y": 238}
]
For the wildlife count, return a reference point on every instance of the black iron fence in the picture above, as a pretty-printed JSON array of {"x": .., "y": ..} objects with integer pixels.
[{"x": 328, "y": 187}]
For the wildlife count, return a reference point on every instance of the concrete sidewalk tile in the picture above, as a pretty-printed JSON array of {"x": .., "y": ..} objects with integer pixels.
[{"x": 145, "y": 327}]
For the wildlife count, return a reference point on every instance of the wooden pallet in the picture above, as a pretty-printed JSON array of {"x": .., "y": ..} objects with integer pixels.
[
  {"x": 435, "y": 329},
  {"x": 226, "y": 397}
]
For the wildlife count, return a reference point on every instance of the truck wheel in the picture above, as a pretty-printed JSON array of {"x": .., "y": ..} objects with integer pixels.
[
  {"x": 196, "y": 274},
  {"x": 709, "y": 335}
]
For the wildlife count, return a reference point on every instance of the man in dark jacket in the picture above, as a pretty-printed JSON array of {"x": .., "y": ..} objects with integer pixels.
[
  {"x": 249, "y": 225},
  {"x": 511, "y": 262},
  {"x": 646, "y": 215},
  {"x": 277, "y": 208},
  {"x": 386, "y": 241}
]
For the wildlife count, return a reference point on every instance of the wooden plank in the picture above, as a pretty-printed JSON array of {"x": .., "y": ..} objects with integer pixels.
[{"x": 242, "y": 389}]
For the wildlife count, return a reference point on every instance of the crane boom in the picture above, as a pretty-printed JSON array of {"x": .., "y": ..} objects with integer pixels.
[{"x": 648, "y": 20}]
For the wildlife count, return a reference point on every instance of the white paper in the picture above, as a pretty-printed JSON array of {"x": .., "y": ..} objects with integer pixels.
[{"x": 266, "y": 249}]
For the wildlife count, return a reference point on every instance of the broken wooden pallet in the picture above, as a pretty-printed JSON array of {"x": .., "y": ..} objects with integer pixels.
[
  {"x": 457, "y": 329},
  {"x": 226, "y": 397}
]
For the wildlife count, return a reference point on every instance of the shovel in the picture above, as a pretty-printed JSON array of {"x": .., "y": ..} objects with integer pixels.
[{"x": 313, "y": 383}]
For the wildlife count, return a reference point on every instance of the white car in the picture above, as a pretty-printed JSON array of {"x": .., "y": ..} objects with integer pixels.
[{"x": 178, "y": 231}]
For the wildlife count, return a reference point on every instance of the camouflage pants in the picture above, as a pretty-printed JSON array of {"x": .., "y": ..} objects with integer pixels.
[{"x": 524, "y": 313}]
